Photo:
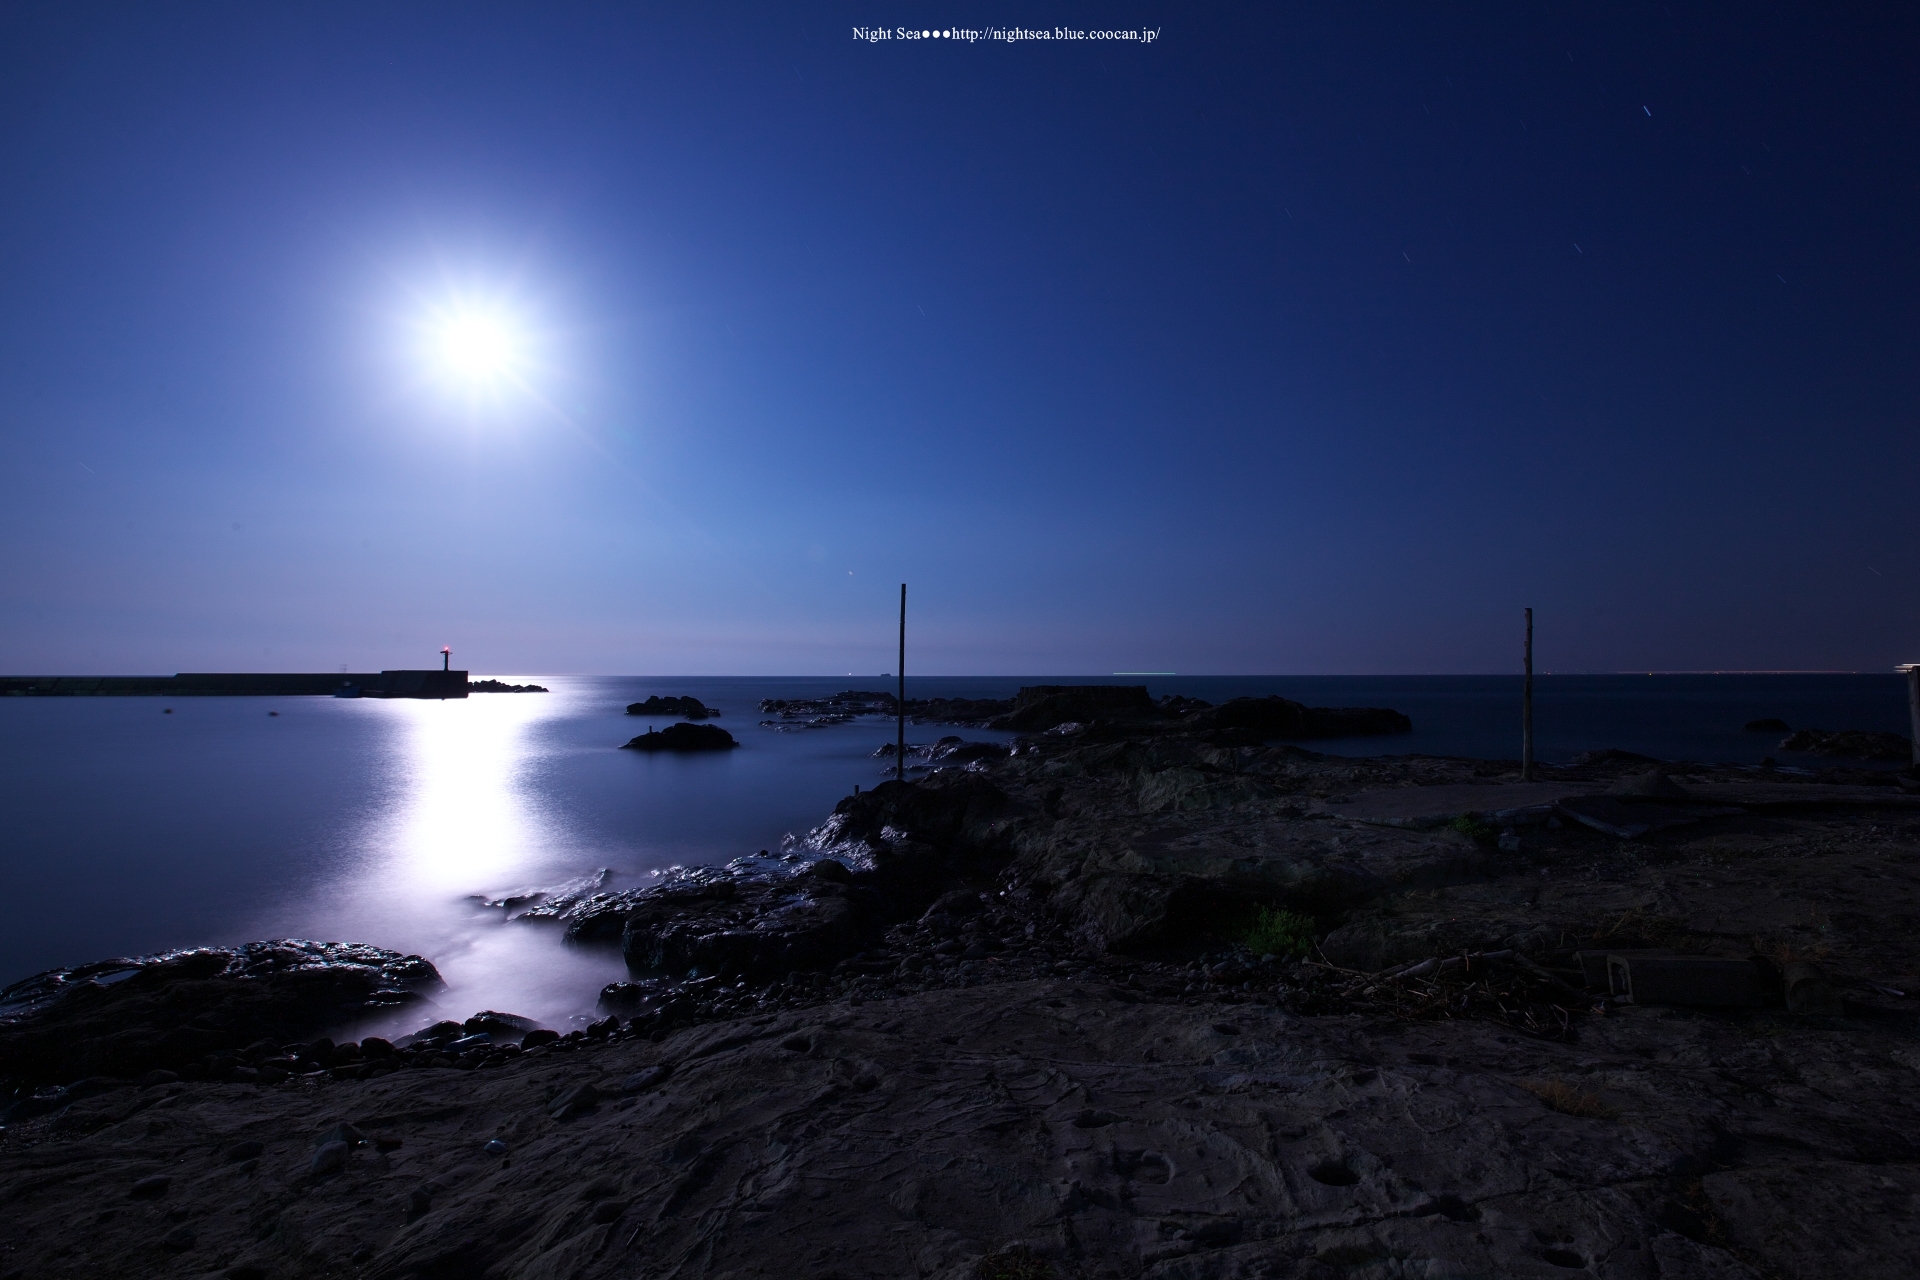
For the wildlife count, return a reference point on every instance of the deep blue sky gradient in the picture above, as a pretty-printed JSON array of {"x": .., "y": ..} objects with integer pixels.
[{"x": 1307, "y": 338}]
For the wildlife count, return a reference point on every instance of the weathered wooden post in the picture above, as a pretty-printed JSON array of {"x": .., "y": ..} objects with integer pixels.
[
  {"x": 900, "y": 702},
  {"x": 1913, "y": 705},
  {"x": 1526, "y": 708}
]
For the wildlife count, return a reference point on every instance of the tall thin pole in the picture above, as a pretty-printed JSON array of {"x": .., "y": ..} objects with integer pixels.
[
  {"x": 1913, "y": 707},
  {"x": 900, "y": 702},
  {"x": 1526, "y": 708}
]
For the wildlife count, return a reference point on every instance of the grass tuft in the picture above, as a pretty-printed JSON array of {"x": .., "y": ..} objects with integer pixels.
[
  {"x": 1015, "y": 1264},
  {"x": 1277, "y": 931},
  {"x": 1475, "y": 830}
]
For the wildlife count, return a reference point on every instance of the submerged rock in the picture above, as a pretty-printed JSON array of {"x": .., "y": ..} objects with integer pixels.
[
  {"x": 683, "y": 737},
  {"x": 689, "y": 708}
]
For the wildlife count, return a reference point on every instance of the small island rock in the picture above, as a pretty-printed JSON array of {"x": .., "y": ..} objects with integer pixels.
[{"x": 683, "y": 737}]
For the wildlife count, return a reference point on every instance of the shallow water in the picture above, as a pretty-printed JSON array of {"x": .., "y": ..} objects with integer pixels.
[{"x": 127, "y": 830}]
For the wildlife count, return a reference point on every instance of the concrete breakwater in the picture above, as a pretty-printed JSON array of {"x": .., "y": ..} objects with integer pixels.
[{"x": 187, "y": 684}]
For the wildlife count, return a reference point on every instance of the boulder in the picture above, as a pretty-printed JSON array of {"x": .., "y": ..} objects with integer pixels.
[
  {"x": 193, "y": 1011},
  {"x": 683, "y": 737}
]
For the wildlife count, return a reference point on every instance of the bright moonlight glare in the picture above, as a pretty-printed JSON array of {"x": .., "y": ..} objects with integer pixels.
[{"x": 478, "y": 348}]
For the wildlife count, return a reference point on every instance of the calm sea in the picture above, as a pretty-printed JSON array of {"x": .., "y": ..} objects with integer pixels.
[{"x": 124, "y": 830}]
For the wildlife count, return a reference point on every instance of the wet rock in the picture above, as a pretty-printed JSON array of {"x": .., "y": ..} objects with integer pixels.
[
  {"x": 829, "y": 869},
  {"x": 495, "y": 1147},
  {"x": 128, "y": 1017},
  {"x": 179, "y": 1240},
  {"x": 436, "y": 1035},
  {"x": 683, "y": 737},
  {"x": 150, "y": 1188},
  {"x": 243, "y": 1151},
  {"x": 499, "y": 1024},
  {"x": 669, "y": 707},
  {"x": 624, "y": 997},
  {"x": 534, "y": 1039}
]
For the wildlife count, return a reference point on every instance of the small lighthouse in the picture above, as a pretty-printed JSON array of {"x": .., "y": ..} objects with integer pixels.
[{"x": 446, "y": 656}]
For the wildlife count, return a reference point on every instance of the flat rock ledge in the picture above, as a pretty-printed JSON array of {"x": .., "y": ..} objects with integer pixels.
[{"x": 1071, "y": 1127}]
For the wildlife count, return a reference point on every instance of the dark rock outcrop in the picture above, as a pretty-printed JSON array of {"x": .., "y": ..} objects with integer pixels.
[
  {"x": 191, "y": 1011},
  {"x": 1277, "y": 717},
  {"x": 496, "y": 686},
  {"x": 1859, "y": 744},
  {"x": 683, "y": 737},
  {"x": 669, "y": 708},
  {"x": 758, "y": 933},
  {"x": 1045, "y": 706}
]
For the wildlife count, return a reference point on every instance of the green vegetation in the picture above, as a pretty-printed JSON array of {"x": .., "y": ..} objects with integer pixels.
[
  {"x": 1474, "y": 830},
  {"x": 1276, "y": 931},
  {"x": 1015, "y": 1264}
]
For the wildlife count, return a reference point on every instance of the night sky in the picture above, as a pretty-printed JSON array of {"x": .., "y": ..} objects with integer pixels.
[{"x": 1304, "y": 338}]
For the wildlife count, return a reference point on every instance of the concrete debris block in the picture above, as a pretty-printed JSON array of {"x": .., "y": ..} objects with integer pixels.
[
  {"x": 1593, "y": 964},
  {"x": 342, "y": 1132},
  {"x": 330, "y": 1158},
  {"x": 1694, "y": 980},
  {"x": 1653, "y": 785},
  {"x": 1628, "y": 817},
  {"x": 1809, "y": 992},
  {"x": 578, "y": 1100},
  {"x": 648, "y": 1078}
]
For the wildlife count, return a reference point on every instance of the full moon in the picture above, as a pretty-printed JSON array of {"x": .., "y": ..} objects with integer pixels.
[{"x": 478, "y": 347}]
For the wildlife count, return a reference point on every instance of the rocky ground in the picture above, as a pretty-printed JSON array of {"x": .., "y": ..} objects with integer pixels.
[{"x": 1008, "y": 1025}]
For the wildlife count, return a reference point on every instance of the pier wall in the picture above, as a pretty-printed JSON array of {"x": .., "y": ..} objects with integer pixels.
[{"x": 231, "y": 684}]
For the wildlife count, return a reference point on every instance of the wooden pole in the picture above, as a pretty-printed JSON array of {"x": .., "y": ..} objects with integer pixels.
[
  {"x": 900, "y": 702},
  {"x": 1526, "y": 708},
  {"x": 1913, "y": 706}
]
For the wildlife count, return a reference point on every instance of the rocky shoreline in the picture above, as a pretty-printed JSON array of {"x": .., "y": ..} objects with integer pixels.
[{"x": 1046, "y": 1011}]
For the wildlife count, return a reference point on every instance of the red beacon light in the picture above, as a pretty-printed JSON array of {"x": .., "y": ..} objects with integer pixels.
[{"x": 446, "y": 656}]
